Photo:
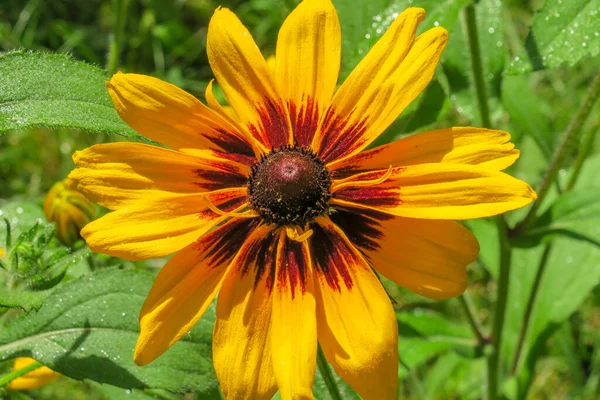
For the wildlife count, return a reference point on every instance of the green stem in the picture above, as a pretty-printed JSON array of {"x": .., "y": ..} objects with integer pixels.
[
  {"x": 332, "y": 387},
  {"x": 476, "y": 65},
  {"x": 500, "y": 311},
  {"x": 467, "y": 305},
  {"x": 584, "y": 152},
  {"x": 559, "y": 155},
  {"x": 529, "y": 309},
  {"x": 6, "y": 379},
  {"x": 493, "y": 360},
  {"x": 116, "y": 38}
]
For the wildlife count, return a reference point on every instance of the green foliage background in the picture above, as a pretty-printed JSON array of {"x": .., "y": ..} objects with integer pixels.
[{"x": 77, "y": 312}]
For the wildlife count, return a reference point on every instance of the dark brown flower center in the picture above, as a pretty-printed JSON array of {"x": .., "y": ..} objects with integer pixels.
[{"x": 289, "y": 186}]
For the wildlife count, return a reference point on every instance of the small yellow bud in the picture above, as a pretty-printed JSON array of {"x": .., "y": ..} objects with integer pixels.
[
  {"x": 69, "y": 209},
  {"x": 34, "y": 379}
]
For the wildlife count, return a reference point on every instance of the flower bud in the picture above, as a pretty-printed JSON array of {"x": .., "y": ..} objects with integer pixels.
[{"x": 69, "y": 209}]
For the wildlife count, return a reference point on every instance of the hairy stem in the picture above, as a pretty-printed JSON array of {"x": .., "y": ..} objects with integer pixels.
[
  {"x": 493, "y": 361},
  {"x": 586, "y": 149},
  {"x": 476, "y": 65},
  {"x": 500, "y": 311},
  {"x": 559, "y": 154},
  {"x": 529, "y": 309},
  {"x": 469, "y": 309}
]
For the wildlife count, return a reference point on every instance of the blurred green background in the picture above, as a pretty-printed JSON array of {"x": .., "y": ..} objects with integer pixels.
[{"x": 440, "y": 359}]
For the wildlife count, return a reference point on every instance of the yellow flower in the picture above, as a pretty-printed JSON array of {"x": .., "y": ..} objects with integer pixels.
[
  {"x": 69, "y": 209},
  {"x": 32, "y": 380},
  {"x": 284, "y": 212}
]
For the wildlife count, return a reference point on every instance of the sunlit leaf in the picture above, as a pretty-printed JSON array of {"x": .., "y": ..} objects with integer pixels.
[
  {"x": 87, "y": 329},
  {"x": 26, "y": 301},
  {"x": 56, "y": 91},
  {"x": 563, "y": 33}
]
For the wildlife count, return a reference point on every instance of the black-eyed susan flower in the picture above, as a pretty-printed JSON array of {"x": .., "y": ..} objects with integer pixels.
[
  {"x": 69, "y": 209},
  {"x": 283, "y": 212},
  {"x": 34, "y": 379}
]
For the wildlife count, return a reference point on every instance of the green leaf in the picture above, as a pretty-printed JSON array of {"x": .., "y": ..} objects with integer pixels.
[
  {"x": 116, "y": 393},
  {"x": 523, "y": 106},
  {"x": 87, "y": 329},
  {"x": 575, "y": 214},
  {"x": 571, "y": 273},
  {"x": 56, "y": 91},
  {"x": 26, "y": 301},
  {"x": 425, "y": 334},
  {"x": 563, "y": 33}
]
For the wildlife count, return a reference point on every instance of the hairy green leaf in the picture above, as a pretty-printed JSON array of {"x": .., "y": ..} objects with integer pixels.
[
  {"x": 563, "y": 33},
  {"x": 87, "y": 329},
  {"x": 56, "y": 91},
  {"x": 26, "y": 301}
]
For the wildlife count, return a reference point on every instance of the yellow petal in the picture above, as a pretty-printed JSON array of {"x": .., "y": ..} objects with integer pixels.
[
  {"x": 429, "y": 257},
  {"x": 294, "y": 327},
  {"x": 384, "y": 83},
  {"x": 185, "y": 287},
  {"x": 244, "y": 76},
  {"x": 438, "y": 191},
  {"x": 34, "y": 379},
  {"x": 120, "y": 174},
  {"x": 308, "y": 64},
  {"x": 159, "y": 226},
  {"x": 241, "y": 339},
  {"x": 355, "y": 320},
  {"x": 475, "y": 146},
  {"x": 171, "y": 116}
]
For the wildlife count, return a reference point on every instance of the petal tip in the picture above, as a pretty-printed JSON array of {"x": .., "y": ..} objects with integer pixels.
[
  {"x": 139, "y": 357},
  {"x": 117, "y": 76},
  {"x": 531, "y": 194},
  {"x": 440, "y": 32},
  {"x": 76, "y": 157}
]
